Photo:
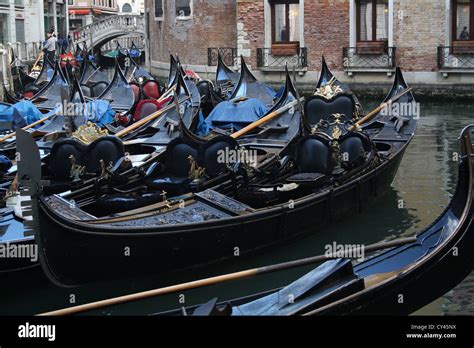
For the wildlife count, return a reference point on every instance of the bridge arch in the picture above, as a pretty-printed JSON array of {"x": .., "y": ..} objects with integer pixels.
[{"x": 98, "y": 33}]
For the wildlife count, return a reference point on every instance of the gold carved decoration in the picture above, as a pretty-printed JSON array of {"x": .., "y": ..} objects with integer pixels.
[
  {"x": 195, "y": 172},
  {"x": 76, "y": 170},
  {"x": 329, "y": 91},
  {"x": 88, "y": 133}
]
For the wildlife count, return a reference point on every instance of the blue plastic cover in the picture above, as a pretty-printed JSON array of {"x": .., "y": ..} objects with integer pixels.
[
  {"x": 233, "y": 115},
  {"x": 99, "y": 112},
  {"x": 21, "y": 114}
]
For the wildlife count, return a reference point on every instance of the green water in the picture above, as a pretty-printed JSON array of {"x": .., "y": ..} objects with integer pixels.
[{"x": 424, "y": 183}]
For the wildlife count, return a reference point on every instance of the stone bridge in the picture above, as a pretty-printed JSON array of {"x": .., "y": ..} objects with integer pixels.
[{"x": 96, "y": 34}]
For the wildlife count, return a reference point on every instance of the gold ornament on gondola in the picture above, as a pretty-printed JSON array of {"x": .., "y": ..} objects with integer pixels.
[
  {"x": 76, "y": 170},
  {"x": 329, "y": 91},
  {"x": 88, "y": 133},
  {"x": 195, "y": 172}
]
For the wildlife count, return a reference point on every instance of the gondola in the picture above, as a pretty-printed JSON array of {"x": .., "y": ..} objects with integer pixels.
[
  {"x": 418, "y": 273},
  {"x": 109, "y": 58},
  {"x": 49, "y": 97},
  {"x": 118, "y": 92},
  {"x": 217, "y": 219},
  {"x": 92, "y": 74}
]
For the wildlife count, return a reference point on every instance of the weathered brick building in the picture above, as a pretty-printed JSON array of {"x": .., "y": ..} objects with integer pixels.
[{"x": 362, "y": 40}]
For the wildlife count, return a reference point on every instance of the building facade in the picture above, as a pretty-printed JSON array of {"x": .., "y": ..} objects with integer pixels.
[
  {"x": 84, "y": 12},
  {"x": 362, "y": 40},
  {"x": 21, "y": 21}
]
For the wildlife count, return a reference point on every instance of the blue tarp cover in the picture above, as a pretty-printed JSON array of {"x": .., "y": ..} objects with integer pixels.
[
  {"x": 231, "y": 115},
  {"x": 21, "y": 114}
]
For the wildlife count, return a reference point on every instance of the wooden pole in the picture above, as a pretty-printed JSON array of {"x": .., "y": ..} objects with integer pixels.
[
  {"x": 375, "y": 112},
  {"x": 167, "y": 93},
  {"x": 264, "y": 119},
  {"x": 147, "y": 119},
  {"x": 8, "y": 136},
  {"x": 219, "y": 279}
]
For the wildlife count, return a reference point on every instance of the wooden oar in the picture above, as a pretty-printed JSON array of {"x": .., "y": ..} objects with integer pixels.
[
  {"x": 265, "y": 119},
  {"x": 8, "y": 136},
  {"x": 37, "y": 60},
  {"x": 166, "y": 94},
  {"x": 220, "y": 279},
  {"x": 375, "y": 112},
  {"x": 147, "y": 119}
]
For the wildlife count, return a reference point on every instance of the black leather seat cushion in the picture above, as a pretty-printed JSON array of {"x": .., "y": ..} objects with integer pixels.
[
  {"x": 314, "y": 156},
  {"x": 216, "y": 155},
  {"x": 318, "y": 108}
]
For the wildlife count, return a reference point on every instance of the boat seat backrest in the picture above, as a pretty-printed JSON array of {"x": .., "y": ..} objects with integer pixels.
[
  {"x": 86, "y": 90},
  {"x": 318, "y": 108},
  {"x": 314, "y": 155},
  {"x": 177, "y": 157},
  {"x": 109, "y": 149},
  {"x": 60, "y": 161},
  {"x": 151, "y": 89},
  {"x": 217, "y": 154},
  {"x": 98, "y": 88},
  {"x": 356, "y": 145},
  {"x": 147, "y": 109},
  {"x": 136, "y": 90},
  {"x": 204, "y": 88}
]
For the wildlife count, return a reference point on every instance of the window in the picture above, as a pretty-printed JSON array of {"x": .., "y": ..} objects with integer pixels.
[
  {"x": 183, "y": 8},
  {"x": 372, "y": 20},
  {"x": 70, "y": 2},
  {"x": 285, "y": 21},
  {"x": 158, "y": 8},
  {"x": 463, "y": 19},
  {"x": 127, "y": 8}
]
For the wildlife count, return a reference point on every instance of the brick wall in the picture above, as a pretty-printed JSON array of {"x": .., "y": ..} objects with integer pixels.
[
  {"x": 212, "y": 24},
  {"x": 419, "y": 28},
  {"x": 326, "y": 31},
  {"x": 250, "y": 29}
]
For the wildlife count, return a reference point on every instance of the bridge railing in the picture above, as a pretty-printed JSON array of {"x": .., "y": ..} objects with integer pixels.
[{"x": 104, "y": 27}]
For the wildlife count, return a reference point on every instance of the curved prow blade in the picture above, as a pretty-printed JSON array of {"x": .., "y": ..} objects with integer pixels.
[
  {"x": 29, "y": 176},
  {"x": 399, "y": 86},
  {"x": 326, "y": 74}
]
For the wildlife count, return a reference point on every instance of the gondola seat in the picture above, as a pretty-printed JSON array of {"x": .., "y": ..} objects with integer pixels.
[
  {"x": 318, "y": 108},
  {"x": 31, "y": 90},
  {"x": 314, "y": 159},
  {"x": 109, "y": 149},
  {"x": 145, "y": 108},
  {"x": 354, "y": 147},
  {"x": 212, "y": 158},
  {"x": 151, "y": 89},
  {"x": 87, "y": 90},
  {"x": 136, "y": 90},
  {"x": 175, "y": 177},
  {"x": 98, "y": 88}
]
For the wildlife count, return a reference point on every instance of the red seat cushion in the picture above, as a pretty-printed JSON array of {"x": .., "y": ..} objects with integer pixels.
[
  {"x": 151, "y": 89},
  {"x": 146, "y": 107},
  {"x": 136, "y": 90}
]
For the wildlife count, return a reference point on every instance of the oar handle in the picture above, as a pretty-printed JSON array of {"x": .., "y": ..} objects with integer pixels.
[
  {"x": 166, "y": 94},
  {"x": 265, "y": 119},
  {"x": 374, "y": 112},
  {"x": 217, "y": 280},
  {"x": 148, "y": 119}
]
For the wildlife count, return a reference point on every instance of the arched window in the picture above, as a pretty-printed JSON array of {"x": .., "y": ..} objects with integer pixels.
[{"x": 126, "y": 8}]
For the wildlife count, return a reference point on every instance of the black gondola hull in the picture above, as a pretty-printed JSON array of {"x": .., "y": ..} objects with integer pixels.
[{"x": 94, "y": 255}]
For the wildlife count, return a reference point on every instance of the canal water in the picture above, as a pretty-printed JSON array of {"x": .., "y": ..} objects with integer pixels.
[{"x": 421, "y": 190}]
